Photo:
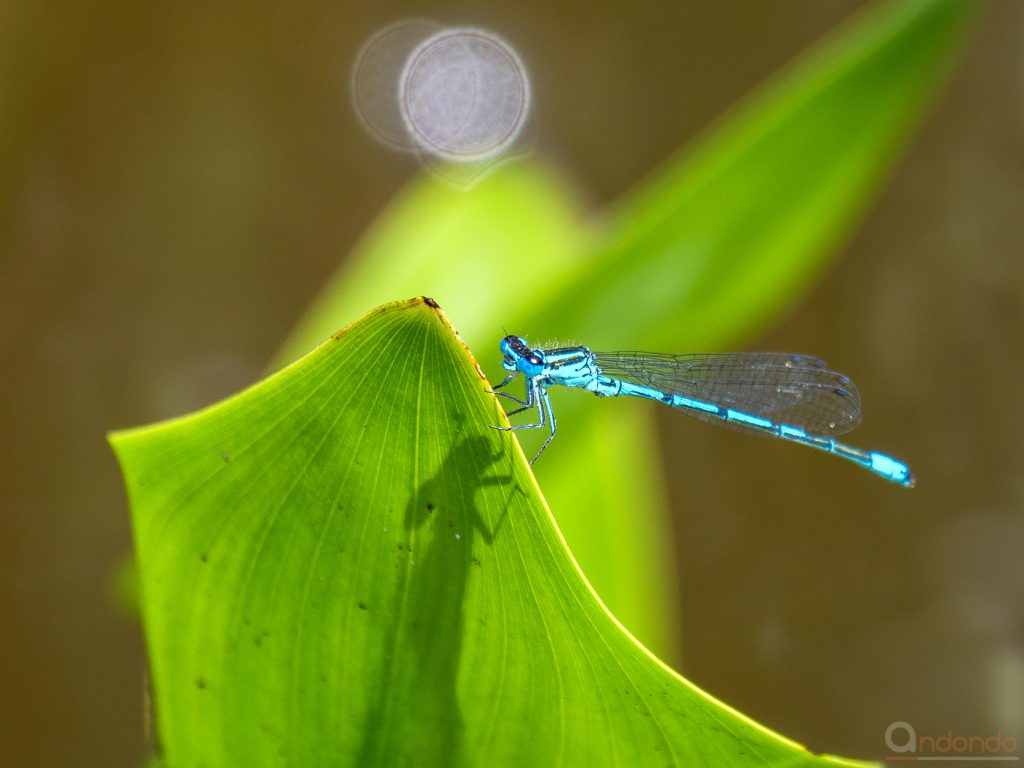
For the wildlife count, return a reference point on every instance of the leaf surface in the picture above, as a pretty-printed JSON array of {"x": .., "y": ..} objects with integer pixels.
[{"x": 344, "y": 565}]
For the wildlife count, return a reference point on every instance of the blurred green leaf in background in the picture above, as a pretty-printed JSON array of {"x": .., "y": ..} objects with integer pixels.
[
  {"x": 718, "y": 242},
  {"x": 345, "y": 560}
]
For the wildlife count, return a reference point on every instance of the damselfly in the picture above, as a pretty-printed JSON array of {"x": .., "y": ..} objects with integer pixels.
[{"x": 793, "y": 397}]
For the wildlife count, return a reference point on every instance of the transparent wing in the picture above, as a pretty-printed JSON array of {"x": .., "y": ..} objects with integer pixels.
[{"x": 798, "y": 390}]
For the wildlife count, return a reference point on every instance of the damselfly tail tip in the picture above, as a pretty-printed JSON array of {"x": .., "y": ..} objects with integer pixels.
[{"x": 891, "y": 469}]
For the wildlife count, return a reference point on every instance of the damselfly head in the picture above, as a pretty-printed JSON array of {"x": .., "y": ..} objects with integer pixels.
[{"x": 518, "y": 355}]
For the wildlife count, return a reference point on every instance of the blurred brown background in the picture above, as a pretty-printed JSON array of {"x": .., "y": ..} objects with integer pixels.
[{"x": 178, "y": 181}]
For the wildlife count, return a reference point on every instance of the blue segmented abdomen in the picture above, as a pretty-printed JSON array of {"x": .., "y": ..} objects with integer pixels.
[{"x": 879, "y": 463}]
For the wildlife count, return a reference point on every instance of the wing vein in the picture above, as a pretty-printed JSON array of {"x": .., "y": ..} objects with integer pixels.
[{"x": 797, "y": 390}]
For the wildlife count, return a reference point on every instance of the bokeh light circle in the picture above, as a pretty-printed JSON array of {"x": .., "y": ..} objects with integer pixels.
[
  {"x": 464, "y": 95},
  {"x": 376, "y": 74}
]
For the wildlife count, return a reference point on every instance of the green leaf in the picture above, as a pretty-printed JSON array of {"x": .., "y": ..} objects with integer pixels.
[{"x": 344, "y": 565}]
